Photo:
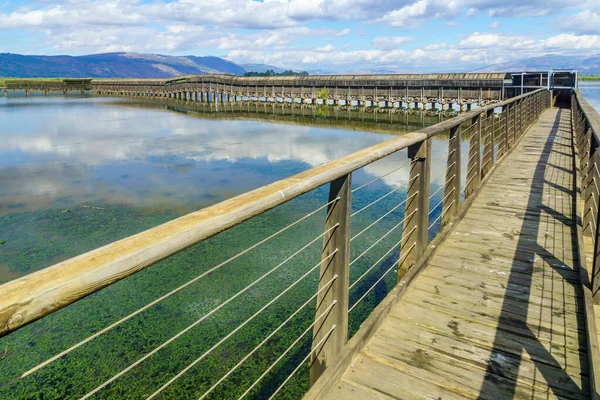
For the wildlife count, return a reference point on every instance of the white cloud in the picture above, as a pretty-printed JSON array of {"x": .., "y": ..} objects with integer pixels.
[
  {"x": 325, "y": 49},
  {"x": 278, "y": 31},
  {"x": 583, "y": 22},
  {"x": 343, "y": 32},
  {"x": 408, "y": 15},
  {"x": 390, "y": 42},
  {"x": 570, "y": 41}
]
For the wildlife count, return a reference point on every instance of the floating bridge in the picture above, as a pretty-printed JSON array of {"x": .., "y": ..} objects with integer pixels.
[{"x": 500, "y": 304}]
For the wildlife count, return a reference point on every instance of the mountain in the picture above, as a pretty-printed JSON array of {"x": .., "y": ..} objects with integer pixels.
[
  {"x": 113, "y": 65},
  {"x": 588, "y": 65}
]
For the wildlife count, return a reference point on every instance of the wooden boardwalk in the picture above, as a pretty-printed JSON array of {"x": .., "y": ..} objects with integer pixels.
[{"x": 498, "y": 311}]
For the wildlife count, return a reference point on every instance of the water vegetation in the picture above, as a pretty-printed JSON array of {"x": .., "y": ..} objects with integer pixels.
[{"x": 65, "y": 235}]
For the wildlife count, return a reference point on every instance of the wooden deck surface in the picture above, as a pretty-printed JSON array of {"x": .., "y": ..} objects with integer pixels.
[{"x": 498, "y": 311}]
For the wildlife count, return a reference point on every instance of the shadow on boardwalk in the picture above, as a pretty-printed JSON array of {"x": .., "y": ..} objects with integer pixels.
[{"x": 540, "y": 216}]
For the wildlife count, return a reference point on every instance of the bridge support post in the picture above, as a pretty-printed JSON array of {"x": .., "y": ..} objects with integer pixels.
[
  {"x": 452, "y": 183},
  {"x": 416, "y": 214},
  {"x": 474, "y": 162},
  {"x": 333, "y": 295},
  {"x": 488, "y": 144}
]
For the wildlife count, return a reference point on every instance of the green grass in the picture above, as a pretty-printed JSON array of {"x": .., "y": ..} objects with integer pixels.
[{"x": 589, "y": 77}]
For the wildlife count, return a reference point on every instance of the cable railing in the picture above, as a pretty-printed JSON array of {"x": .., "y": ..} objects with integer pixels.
[{"x": 397, "y": 241}]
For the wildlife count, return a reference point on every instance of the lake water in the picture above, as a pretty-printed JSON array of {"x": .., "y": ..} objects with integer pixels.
[
  {"x": 591, "y": 91},
  {"x": 80, "y": 172}
]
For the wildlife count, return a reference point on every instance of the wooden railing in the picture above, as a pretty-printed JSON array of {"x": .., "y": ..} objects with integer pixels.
[
  {"x": 492, "y": 134},
  {"x": 586, "y": 128}
]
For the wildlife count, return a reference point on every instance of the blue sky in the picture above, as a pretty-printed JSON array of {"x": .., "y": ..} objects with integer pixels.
[{"x": 326, "y": 35}]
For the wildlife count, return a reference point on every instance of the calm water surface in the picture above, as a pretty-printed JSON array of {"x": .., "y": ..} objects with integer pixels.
[
  {"x": 80, "y": 172},
  {"x": 62, "y": 152},
  {"x": 591, "y": 91}
]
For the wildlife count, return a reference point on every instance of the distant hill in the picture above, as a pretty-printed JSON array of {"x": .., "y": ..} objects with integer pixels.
[
  {"x": 589, "y": 65},
  {"x": 113, "y": 65}
]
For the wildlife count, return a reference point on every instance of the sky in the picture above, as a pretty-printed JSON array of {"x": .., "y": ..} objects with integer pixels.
[{"x": 313, "y": 35}]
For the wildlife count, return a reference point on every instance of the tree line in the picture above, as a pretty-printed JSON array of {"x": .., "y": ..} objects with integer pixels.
[{"x": 270, "y": 72}]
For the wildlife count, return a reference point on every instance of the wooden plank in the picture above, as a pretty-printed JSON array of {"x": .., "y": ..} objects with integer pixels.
[
  {"x": 492, "y": 277},
  {"x": 521, "y": 262},
  {"x": 351, "y": 391},
  {"x": 550, "y": 325},
  {"x": 384, "y": 380},
  {"x": 452, "y": 344},
  {"x": 466, "y": 297},
  {"x": 472, "y": 332},
  {"x": 464, "y": 367}
]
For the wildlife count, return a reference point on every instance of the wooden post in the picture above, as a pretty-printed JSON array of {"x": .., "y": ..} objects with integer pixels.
[
  {"x": 590, "y": 181},
  {"x": 414, "y": 230},
  {"x": 519, "y": 119},
  {"x": 489, "y": 144},
  {"x": 584, "y": 154},
  {"x": 513, "y": 114},
  {"x": 338, "y": 242},
  {"x": 474, "y": 164},
  {"x": 503, "y": 143},
  {"x": 529, "y": 111},
  {"x": 452, "y": 184}
]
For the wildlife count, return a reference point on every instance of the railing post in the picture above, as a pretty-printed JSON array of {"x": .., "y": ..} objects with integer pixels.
[
  {"x": 502, "y": 150},
  {"x": 489, "y": 143},
  {"x": 520, "y": 116},
  {"x": 530, "y": 106},
  {"x": 335, "y": 265},
  {"x": 474, "y": 162},
  {"x": 416, "y": 214},
  {"x": 589, "y": 182},
  {"x": 452, "y": 183},
  {"x": 513, "y": 114}
]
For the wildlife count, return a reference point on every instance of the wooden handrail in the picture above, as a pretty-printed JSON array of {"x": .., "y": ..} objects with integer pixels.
[
  {"x": 586, "y": 128},
  {"x": 31, "y": 297}
]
